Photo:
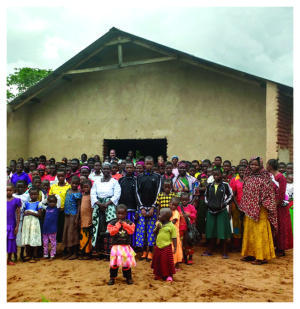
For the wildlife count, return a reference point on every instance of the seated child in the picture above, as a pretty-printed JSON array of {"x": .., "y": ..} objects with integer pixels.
[
  {"x": 121, "y": 253},
  {"x": 163, "y": 262}
]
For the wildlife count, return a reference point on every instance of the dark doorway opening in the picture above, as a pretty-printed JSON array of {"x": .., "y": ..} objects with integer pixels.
[{"x": 144, "y": 147}]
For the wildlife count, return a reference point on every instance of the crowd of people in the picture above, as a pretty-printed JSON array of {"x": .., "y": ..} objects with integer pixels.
[{"x": 112, "y": 210}]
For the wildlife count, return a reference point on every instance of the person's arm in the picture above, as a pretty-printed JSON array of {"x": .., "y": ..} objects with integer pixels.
[
  {"x": 138, "y": 199},
  {"x": 174, "y": 240},
  {"x": 157, "y": 228},
  {"x": 94, "y": 199},
  {"x": 114, "y": 229},
  {"x": 151, "y": 211},
  {"x": 18, "y": 211},
  {"x": 206, "y": 194},
  {"x": 30, "y": 213},
  {"x": 174, "y": 221},
  {"x": 129, "y": 228},
  {"x": 77, "y": 216},
  {"x": 117, "y": 193},
  {"x": 228, "y": 192}
]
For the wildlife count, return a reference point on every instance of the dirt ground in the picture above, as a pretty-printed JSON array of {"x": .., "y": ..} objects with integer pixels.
[{"x": 210, "y": 279}]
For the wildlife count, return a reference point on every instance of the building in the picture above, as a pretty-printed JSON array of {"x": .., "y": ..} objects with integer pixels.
[{"x": 128, "y": 93}]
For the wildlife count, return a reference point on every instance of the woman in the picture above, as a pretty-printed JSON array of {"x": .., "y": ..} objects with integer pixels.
[
  {"x": 105, "y": 195},
  {"x": 183, "y": 182},
  {"x": 258, "y": 204},
  {"x": 284, "y": 238},
  {"x": 175, "y": 165}
]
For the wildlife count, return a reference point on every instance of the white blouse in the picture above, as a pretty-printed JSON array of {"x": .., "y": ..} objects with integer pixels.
[{"x": 106, "y": 189}]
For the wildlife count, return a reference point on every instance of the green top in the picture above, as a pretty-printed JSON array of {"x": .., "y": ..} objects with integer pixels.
[{"x": 165, "y": 235}]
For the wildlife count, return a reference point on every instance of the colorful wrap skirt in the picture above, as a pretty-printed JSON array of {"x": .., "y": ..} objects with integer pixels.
[
  {"x": 162, "y": 262},
  {"x": 122, "y": 255},
  {"x": 71, "y": 234},
  {"x": 85, "y": 239},
  {"x": 31, "y": 231}
]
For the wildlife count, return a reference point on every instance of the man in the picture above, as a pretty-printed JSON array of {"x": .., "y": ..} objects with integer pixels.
[
  {"x": 113, "y": 156},
  {"x": 74, "y": 170}
]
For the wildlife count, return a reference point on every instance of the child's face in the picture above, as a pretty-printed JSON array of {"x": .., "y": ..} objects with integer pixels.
[
  {"x": 155, "y": 169},
  {"x": 149, "y": 165},
  {"x": 74, "y": 185},
  {"x": 173, "y": 206},
  {"x": 97, "y": 166},
  {"x": 289, "y": 169},
  {"x": 121, "y": 214},
  {"x": 69, "y": 162},
  {"x": 9, "y": 192},
  {"x": 129, "y": 169},
  {"x": 167, "y": 188},
  {"x": 41, "y": 172},
  {"x": 226, "y": 167},
  {"x": 209, "y": 171},
  {"x": 174, "y": 161},
  {"x": 225, "y": 177},
  {"x": 92, "y": 165},
  {"x": 36, "y": 183},
  {"x": 74, "y": 166},
  {"x": 61, "y": 177},
  {"x": 123, "y": 164},
  {"x": 139, "y": 169},
  {"x": 217, "y": 176},
  {"x": 243, "y": 162},
  {"x": 162, "y": 170},
  {"x": 160, "y": 160},
  {"x": 47, "y": 169},
  {"x": 184, "y": 200},
  {"x": 82, "y": 178},
  {"x": 52, "y": 202},
  {"x": 233, "y": 170},
  {"x": 34, "y": 195},
  {"x": 114, "y": 169},
  {"x": 83, "y": 157},
  {"x": 281, "y": 168},
  {"x": 19, "y": 168},
  {"x": 35, "y": 173},
  {"x": 86, "y": 188},
  {"x": 242, "y": 172},
  {"x": 169, "y": 169},
  {"x": 31, "y": 166},
  {"x": 196, "y": 165},
  {"x": 192, "y": 171},
  {"x": 204, "y": 167},
  {"x": 84, "y": 172},
  {"x": 289, "y": 179},
  {"x": 26, "y": 164},
  {"x": 218, "y": 162},
  {"x": 163, "y": 217},
  {"x": 46, "y": 185}
]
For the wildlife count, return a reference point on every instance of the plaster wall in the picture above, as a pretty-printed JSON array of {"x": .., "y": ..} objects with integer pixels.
[{"x": 201, "y": 113}]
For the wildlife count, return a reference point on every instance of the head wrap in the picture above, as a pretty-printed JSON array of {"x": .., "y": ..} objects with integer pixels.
[
  {"x": 41, "y": 166},
  {"x": 106, "y": 164},
  {"x": 175, "y": 157},
  {"x": 141, "y": 163},
  {"x": 258, "y": 191},
  {"x": 85, "y": 167},
  {"x": 182, "y": 163}
]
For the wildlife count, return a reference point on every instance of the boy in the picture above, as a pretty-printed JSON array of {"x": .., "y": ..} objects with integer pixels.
[
  {"x": 218, "y": 195},
  {"x": 218, "y": 163},
  {"x": 114, "y": 171},
  {"x": 147, "y": 189}
]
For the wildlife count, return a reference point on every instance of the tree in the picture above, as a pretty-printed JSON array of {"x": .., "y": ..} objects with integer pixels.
[{"x": 23, "y": 79}]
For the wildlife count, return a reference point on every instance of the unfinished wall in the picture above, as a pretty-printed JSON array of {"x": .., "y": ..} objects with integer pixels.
[{"x": 201, "y": 113}]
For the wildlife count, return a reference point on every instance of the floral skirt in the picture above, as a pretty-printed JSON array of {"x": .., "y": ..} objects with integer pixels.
[
  {"x": 31, "y": 231},
  {"x": 122, "y": 255}
]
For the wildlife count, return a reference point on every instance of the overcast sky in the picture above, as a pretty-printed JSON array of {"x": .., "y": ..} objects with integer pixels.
[{"x": 255, "y": 40}]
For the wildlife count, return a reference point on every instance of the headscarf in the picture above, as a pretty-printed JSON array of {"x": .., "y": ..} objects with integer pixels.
[
  {"x": 41, "y": 167},
  {"x": 182, "y": 163},
  {"x": 174, "y": 157},
  {"x": 142, "y": 163},
  {"x": 106, "y": 164},
  {"x": 258, "y": 190},
  {"x": 85, "y": 167}
]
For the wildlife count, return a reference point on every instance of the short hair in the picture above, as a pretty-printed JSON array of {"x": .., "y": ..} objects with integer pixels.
[
  {"x": 244, "y": 160},
  {"x": 52, "y": 196},
  {"x": 46, "y": 180},
  {"x": 130, "y": 162},
  {"x": 206, "y": 161},
  {"x": 168, "y": 163},
  {"x": 121, "y": 206},
  {"x": 240, "y": 166},
  {"x": 149, "y": 158},
  {"x": 185, "y": 194},
  {"x": 290, "y": 163},
  {"x": 34, "y": 189},
  {"x": 21, "y": 182},
  {"x": 75, "y": 178},
  {"x": 167, "y": 211},
  {"x": 156, "y": 165},
  {"x": 114, "y": 164},
  {"x": 87, "y": 181},
  {"x": 195, "y": 161},
  {"x": 217, "y": 169},
  {"x": 192, "y": 166},
  {"x": 175, "y": 199},
  {"x": 273, "y": 163},
  {"x": 75, "y": 159},
  {"x": 19, "y": 163},
  {"x": 36, "y": 178},
  {"x": 218, "y": 157},
  {"x": 227, "y": 161},
  {"x": 10, "y": 184},
  {"x": 167, "y": 181},
  {"x": 91, "y": 160},
  {"x": 42, "y": 157}
]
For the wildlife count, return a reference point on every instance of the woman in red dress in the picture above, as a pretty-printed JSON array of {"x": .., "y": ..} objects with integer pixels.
[{"x": 284, "y": 238}]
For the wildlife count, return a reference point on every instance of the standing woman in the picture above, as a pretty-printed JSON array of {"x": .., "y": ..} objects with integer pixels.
[
  {"x": 258, "y": 204},
  {"x": 175, "y": 165},
  {"x": 284, "y": 238},
  {"x": 105, "y": 195}
]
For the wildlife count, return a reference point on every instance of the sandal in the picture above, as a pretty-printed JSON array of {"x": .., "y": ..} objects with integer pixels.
[
  {"x": 177, "y": 269},
  {"x": 206, "y": 253},
  {"x": 225, "y": 256},
  {"x": 169, "y": 279},
  {"x": 149, "y": 257},
  {"x": 11, "y": 263},
  {"x": 144, "y": 256},
  {"x": 248, "y": 259},
  {"x": 190, "y": 262},
  {"x": 259, "y": 262},
  {"x": 33, "y": 260},
  {"x": 280, "y": 254}
]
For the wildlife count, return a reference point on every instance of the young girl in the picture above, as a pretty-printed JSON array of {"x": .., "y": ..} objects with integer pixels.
[
  {"x": 191, "y": 213},
  {"x": 164, "y": 198},
  {"x": 174, "y": 203},
  {"x": 121, "y": 254},
  {"x": 71, "y": 235},
  {"x": 50, "y": 225},
  {"x": 24, "y": 197},
  {"x": 163, "y": 262},
  {"x": 13, "y": 207},
  {"x": 31, "y": 231},
  {"x": 85, "y": 218}
]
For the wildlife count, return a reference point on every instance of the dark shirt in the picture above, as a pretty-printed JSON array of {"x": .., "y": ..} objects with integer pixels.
[
  {"x": 128, "y": 192},
  {"x": 148, "y": 188},
  {"x": 70, "y": 174},
  {"x": 122, "y": 237}
]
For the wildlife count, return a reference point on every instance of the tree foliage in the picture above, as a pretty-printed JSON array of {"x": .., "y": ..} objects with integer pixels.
[{"x": 22, "y": 79}]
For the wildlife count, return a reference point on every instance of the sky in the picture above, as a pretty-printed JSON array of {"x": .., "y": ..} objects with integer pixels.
[{"x": 256, "y": 40}]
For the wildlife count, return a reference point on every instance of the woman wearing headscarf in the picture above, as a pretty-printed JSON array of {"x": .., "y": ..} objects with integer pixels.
[
  {"x": 105, "y": 195},
  {"x": 260, "y": 220}
]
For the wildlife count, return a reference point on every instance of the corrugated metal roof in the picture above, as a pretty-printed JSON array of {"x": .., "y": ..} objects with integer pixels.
[{"x": 52, "y": 80}]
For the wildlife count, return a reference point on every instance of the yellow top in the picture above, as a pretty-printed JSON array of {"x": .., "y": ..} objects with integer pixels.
[{"x": 61, "y": 191}]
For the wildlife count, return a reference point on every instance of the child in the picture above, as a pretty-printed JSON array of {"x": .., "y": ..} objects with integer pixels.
[
  {"x": 96, "y": 175},
  {"x": 163, "y": 263},
  {"x": 31, "y": 231},
  {"x": 227, "y": 169},
  {"x": 50, "y": 225},
  {"x": 140, "y": 167},
  {"x": 46, "y": 186},
  {"x": 128, "y": 196},
  {"x": 148, "y": 187},
  {"x": 218, "y": 163},
  {"x": 162, "y": 168},
  {"x": 85, "y": 214},
  {"x": 121, "y": 253},
  {"x": 71, "y": 235},
  {"x": 290, "y": 193},
  {"x": 282, "y": 168},
  {"x": 20, "y": 175},
  {"x": 190, "y": 213},
  {"x": 155, "y": 168},
  {"x": 13, "y": 207},
  {"x": 164, "y": 198},
  {"x": 174, "y": 202},
  {"x": 61, "y": 189},
  {"x": 114, "y": 171},
  {"x": 24, "y": 197},
  {"x": 225, "y": 177},
  {"x": 217, "y": 196},
  {"x": 52, "y": 177}
]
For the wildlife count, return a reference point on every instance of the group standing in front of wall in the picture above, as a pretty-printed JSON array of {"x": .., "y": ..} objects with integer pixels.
[{"x": 119, "y": 208}]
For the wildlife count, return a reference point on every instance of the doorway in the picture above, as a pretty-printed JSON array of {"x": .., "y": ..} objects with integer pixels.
[{"x": 140, "y": 147}]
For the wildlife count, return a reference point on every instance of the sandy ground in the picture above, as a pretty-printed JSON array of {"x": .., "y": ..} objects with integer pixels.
[{"x": 210, "y": 279}]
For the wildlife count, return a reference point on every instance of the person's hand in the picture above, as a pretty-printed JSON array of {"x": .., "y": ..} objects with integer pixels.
[
  {"x": 136, "y": 216},
  {"x": 121, "y": 221},
  {"x": 151, "y": 211},
  {"x": 16, "y": 230},
  {"x": 103, "y": 207},
  {"x": 159, "y": 226},
  {"x": 229, "y": 215},
  {"x": 144, "y": 212},
  {"x": 175, "y": 249},
  {"x": 98, "y": 203},
  {"x": 186, "y": 215}
]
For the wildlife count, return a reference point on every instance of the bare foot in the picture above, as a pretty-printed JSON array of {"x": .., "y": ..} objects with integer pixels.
[{"x": 73, "y": 257}]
